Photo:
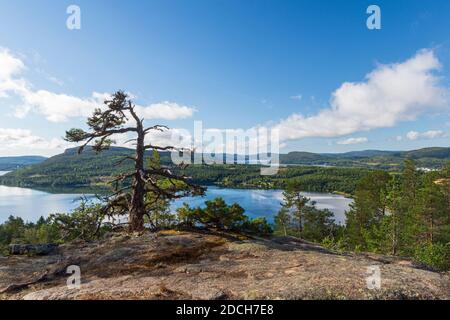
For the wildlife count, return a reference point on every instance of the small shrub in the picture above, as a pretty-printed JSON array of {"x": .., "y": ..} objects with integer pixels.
[
  {"x": 84, "y": 223},
  {"x": 187, "y": 217},
  {"x": 217, "y": 214},
  {"x": 333, "y": 244},
  {"x": 258, "y": 226}
]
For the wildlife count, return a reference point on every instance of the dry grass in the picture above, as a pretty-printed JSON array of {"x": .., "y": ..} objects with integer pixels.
[{"x": 170, "y": 233}]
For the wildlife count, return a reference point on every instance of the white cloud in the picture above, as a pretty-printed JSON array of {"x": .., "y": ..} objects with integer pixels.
[
  {"x": 56, "y": 107},
  {"x": 15, "y": 141},
  {"x": 60, "y": 107},
  {"x": 412, "y": 135},
  {"x": 297, "y": 97},
  {"x": 9, "y": 65},
  {"x": 390, "y": 94},
  {"x": 179, "y": 138},
  {"x": 165, "y": 110},
  {"x": 212, "y": 140},
  {"x": 431, "y": 134},
  {"x": 353, "y": 141}
]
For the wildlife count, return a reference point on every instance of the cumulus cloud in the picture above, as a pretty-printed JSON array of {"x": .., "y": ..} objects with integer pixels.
[
  {"x": 353, "y": 141},
  {"x": 431, "y": 134},
  {"x": 56, "y": 107},
  {"x": 9, "y": 65},
  {"x": 23, "y": 140},
  {"x": 212, "y": 140},
  {"x": 60, "y": 107},
  {"x": 389, "y": 94},
  {"x": 165, "y": 110}
]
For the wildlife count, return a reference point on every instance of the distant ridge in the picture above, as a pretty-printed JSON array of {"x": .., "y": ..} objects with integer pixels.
[
  {"x": 13, "y": 163},
  {"x": 433, "y": 157},
  {"x": 364, "y": 153},
  {"x": 329, "y": 171}
]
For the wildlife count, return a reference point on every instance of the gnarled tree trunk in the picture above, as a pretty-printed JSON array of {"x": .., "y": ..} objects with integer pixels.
[{"x": 137, "y": 206}]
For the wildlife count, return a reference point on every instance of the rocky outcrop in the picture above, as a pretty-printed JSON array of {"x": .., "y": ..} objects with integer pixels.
[{"x": 189, "y": 265}]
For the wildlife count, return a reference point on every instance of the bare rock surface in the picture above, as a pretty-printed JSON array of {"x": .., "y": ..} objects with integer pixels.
[{"x": 194, "y": 265}]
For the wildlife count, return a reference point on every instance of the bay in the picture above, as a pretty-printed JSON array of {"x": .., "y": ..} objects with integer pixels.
[{"x": 30, "y": 204}]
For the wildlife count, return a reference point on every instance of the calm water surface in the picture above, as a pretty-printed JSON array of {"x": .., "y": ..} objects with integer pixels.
[
  {"x": 31, "y": 204},
  {"x": 266, "y": 203}
]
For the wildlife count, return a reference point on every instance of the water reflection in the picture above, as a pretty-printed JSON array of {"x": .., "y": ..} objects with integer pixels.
[
  {"x": 266, "y": 203},
  {"x": 30, "y": 204}
]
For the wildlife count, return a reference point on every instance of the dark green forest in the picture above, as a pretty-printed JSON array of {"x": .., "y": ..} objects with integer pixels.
[
  {"x": 316, "y": 172},
  {"x": 406, "y": 215},
  {"x": 92, "y": 170}
]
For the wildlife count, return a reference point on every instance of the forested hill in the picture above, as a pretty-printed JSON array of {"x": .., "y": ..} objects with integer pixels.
[
  {"x": 318, "y": 172},
  {"x": 71, "y": 169},
  {"x": 13, "y": 163},
  {"x": 433, "y": 158},
  {"x": 89, "y": 169}
]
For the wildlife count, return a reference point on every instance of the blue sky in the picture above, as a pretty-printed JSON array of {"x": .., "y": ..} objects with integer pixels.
[{"x": 235, "y": 64}]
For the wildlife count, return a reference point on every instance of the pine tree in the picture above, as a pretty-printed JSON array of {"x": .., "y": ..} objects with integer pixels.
[
  {"x": 368, "y": 210},
  {"x": 299, "y": 216},
  {"x": 120, "y": 117},
  {"x": 295, "y": 203},
  {"x": 392, "y": 222},
  {"x": 433, "y": 211},
  {"x": 408, "y": 221},
  {"x": 319, "y": 224},
  {"x": 283, "y": 221}
]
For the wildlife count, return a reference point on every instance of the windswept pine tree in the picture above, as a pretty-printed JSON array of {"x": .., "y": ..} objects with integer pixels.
[
  {"x": 299, "y": 217},
  {"x": 149, "y": 184}
]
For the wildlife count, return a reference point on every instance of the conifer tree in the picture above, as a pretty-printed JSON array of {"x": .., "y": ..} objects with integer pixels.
[{"x": 120, "y": 117}]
